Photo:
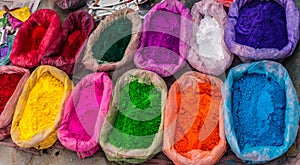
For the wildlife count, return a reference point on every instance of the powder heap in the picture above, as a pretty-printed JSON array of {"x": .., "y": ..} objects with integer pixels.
[
  {"x": 139, "y": 116},
  {"x": 72, "y": 45},
  {"x": 113, "y": 41},
  {"x": 258, "y": 108},
  {"x": 209, "y": 38},
  {"x": 42, "y": 106},
  {"x": 262, "y": 24},
  {"x": 82, "y": 127},
  {"x": 37, "y": 37},
  {"x": 190, "y": 120},
  {"x": 8, "y": 85},
  {"x": 163, "y": 33}
]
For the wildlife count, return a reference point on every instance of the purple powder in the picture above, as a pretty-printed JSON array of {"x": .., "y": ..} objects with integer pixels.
[
  {"x": 164, "y": 32},
  {"x": 262, "y": 24}
]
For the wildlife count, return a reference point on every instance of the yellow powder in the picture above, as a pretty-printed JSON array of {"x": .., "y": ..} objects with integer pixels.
[{"x": 42, "y": 106}]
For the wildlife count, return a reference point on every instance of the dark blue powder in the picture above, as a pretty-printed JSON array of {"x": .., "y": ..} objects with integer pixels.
[
  {"x": 258, "y": 106},
  {"x": 262, "y": 24}
]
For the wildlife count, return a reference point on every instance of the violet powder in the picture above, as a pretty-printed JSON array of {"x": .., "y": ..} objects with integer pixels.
[{"x": 262, "y": 24}]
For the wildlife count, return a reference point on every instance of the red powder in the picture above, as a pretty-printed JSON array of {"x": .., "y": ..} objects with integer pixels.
[
  {"x": 37, "y": 37},
  {"x": 74, "y": 42},
  {"x": 8, "y": 85},
  {"x": 190, "y": 122}
]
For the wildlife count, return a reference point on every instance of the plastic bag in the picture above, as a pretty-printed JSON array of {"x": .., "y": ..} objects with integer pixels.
[
  {"x": 34, "y": 102},
  {"x": 9, "y": 108},
  {"x": 165, "y": 38},
  {"x": 5, "y": 50},
  {"x": 208, "y": 52},
  {"x": 188, "y": 105},
  {"x": 275, "y": 71},
  {"x": 137, "y": 155},
  {"x": 15, "y": 23},
  {"x": 21, "y": 14},
  {"x": 65, "y": 50},
  {"x": 105, "y": 40},
  {"x": 84, "y": 114},
  {"x": 247, "y": 53},
  {"x": 34, "y": 38},
  {"x": 70, "y": 4}
]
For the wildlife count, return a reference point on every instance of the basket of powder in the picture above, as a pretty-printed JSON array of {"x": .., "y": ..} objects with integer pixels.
[
  {"x": 133, "y": 129},
  {"x": 165, "y": 38},
  {"x": 13, "y": 80},
  {"x": 193, "y": 128},
  {"x": 34, "y": 38},
  {"x": 208, "y": 52},
  {"x": 261, "y": 111},
  {"x": 114, "y": 42},
  {"x": 39, "y": 108},
  {"x": 84, "y": 114},
  {"x": 262, "y": 29},
  {"x": 65, "y": 51}
]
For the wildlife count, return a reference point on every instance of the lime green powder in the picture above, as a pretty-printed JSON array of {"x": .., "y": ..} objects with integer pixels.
[{"x": 139, "y": 116}]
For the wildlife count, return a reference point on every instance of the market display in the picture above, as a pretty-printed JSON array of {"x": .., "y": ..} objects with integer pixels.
[{"x": 145, "y": 86}]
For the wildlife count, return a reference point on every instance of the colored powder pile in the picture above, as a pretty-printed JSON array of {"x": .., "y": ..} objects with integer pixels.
[
  {"x": 72, "y": 45},
  {"x": 190, "y": 120},
  {"x": 164, "y": 33},
  {"x": 262, "y": 24},
  {"x": 209, "y": 38},
  {"x": 42, "y": 106},
  {"x": 113, "y": 42},
  {"x": 139, "y": 116},
  {"x": 37, "y": 37},
  {"x": 84, "y": 117},
  {"x": 258, "y": 105},
  {"x": 8, "y": 85}
]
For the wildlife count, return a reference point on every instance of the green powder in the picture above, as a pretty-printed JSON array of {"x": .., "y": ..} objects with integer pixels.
[
  {"x": 113, "y": 42},
  {"x": 139, "y": 116}
]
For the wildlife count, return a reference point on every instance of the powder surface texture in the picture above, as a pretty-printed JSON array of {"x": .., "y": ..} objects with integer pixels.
[
  {"x": 139, "y": 116},
  {"x": 37, "y": 37},
  {"x": 113, "y": 41},
  {"x": 163, "y": 33},
  {"x": 258, "y": 108},
  {"x": 72, "y": 45},
  {"x": 42, "y": 106},
  {"x": 8, "y": 85},
  {"x": 82, "y": 123},
  {"x": 190, "y": 120},
  {"x": 262, "y": 24},
  {"x": 209, "y": 38}
]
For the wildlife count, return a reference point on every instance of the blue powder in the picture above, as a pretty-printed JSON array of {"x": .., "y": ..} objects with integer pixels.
[
  {"x": 258, "y": 106},
  {"x": 262, "y": 24}
]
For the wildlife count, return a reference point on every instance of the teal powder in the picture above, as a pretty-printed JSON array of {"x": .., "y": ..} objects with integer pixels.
[
  {"x": 138, "y": 118},
  {"x": 113, "y": 42},
  {"x": 258, "y": 106}
]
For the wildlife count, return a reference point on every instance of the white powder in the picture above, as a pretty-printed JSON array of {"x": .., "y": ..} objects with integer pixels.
[{"x": 209, "y": 38}]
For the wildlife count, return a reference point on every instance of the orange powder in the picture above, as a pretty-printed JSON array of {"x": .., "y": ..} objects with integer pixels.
[{"x": 190, "y": 119}]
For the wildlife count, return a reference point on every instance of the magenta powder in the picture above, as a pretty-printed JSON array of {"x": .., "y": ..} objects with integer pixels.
[
  {"x": 84, "y": 113},
  {"x": 262, "y": 24}
]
